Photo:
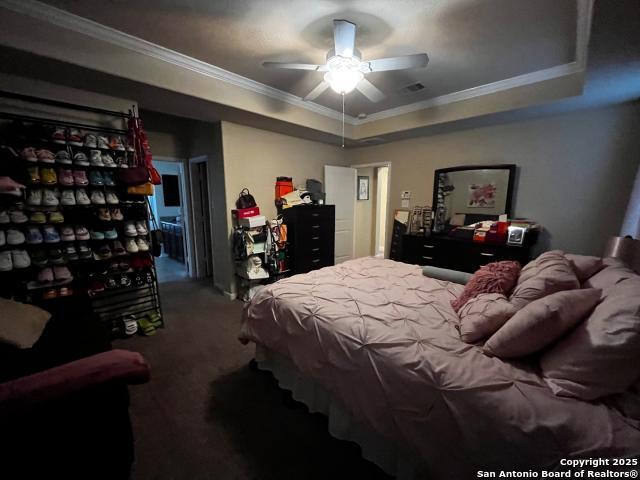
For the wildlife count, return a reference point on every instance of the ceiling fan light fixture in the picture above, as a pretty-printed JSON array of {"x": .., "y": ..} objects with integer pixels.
[{"x": 343, "y": 81}]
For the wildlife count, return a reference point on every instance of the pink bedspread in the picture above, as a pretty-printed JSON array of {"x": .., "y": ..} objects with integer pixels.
[{"x": 381, "y": 337}]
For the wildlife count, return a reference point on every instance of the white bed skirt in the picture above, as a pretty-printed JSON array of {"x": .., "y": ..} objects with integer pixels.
[{"x": 342, "y": 425}]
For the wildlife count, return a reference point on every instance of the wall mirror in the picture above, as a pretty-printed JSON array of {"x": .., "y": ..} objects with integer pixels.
[{"x": 465, "y": 195}]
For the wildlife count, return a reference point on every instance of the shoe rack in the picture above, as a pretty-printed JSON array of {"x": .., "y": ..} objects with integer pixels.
[{"x": 75, "y": 231}]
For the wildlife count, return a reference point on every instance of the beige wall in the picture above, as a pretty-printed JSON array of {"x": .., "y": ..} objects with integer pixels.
[
  {"x": 365, "y": 216},
  {"x": 575, "y": 170}
]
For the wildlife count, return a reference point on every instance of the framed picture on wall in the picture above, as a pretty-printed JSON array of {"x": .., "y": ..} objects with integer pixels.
[{"x": 363, "y": 188}]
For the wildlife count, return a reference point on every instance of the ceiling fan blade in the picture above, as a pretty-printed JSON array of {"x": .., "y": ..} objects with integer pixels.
[
  {"x": 418, "y": 60},
  {"x": 369, "y": 90},
  {"x": 344, "y": 37},
  {"x": 295, "y": 66},
  {"x": 316, "y": 92}
]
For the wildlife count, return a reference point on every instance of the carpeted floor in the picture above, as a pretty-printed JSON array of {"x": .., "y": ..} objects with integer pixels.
[{"x": 206, "y": 415}]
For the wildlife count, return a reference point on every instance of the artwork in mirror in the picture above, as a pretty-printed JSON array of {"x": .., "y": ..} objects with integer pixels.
[{"x": 465, "y": 195}]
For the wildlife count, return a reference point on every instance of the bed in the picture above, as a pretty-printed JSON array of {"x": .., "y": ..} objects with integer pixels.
[{"x": 379, "y": 339}]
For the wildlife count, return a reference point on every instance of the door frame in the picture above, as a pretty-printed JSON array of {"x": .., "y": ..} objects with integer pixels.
[
  {"x": 193, "y": 184},
  {"x": 389, "y": 214}
]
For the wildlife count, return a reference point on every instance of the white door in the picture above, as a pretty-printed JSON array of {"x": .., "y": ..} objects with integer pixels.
[{"x": 340, "y": 187}]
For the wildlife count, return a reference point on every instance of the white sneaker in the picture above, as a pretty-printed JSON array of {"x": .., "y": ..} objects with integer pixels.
[
  {"x": 6, "y": 264},
  {"x": 82, "y": 198},
  {"x": 15, "y": 237},
  {"x": 3, "y": 239},
  {"x": 141, "y": 228},
  {"x": 143, "y": 246},
  {"x": 81, "y": 159},
  {"x": 130, "y": 245},
  {"x": 96, "y": 159},
  {"x": 49, "y": 198},
  {"x": 90, "y": 140},
  {"x": 97, "y": 197},
  {"x": 34, "y": 197},
  {"x": 112, "y": 198},
  {"x": 4, "y": 216},
  {"x": 68, "y": 198},
  {"x": 18, "y": 216},
  {"x": 108, "y": 161},
  {"x": 103, "y": 142},
  {"x": 20, "y": 259},
  {"x": 130, "y": 229}
]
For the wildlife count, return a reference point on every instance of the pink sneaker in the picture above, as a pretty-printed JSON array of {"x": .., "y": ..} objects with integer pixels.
[
  {"x": 45, "y": 156},
  {"x": 65, "y": 177},
  {"x": 80, "y": 177}
]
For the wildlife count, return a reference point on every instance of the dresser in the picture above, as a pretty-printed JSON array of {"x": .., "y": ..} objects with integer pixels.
[
  {"x": 459, "y": 254},
  {"x": 310, "y": 236}
]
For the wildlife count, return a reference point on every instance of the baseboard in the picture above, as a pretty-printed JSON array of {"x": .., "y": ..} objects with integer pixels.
[{"x": 229, "y": 295}]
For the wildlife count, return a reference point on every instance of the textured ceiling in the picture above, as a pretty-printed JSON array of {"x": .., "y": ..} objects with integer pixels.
[{"x": 469, "y": 42}]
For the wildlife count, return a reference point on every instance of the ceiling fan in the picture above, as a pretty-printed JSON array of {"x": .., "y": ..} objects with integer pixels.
[{"x": 345, "y": 69}]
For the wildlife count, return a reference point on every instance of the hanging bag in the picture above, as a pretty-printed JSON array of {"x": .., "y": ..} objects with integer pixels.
[
  {"x": 155, "y": 234},
  {"x": 245, "y": 200}
]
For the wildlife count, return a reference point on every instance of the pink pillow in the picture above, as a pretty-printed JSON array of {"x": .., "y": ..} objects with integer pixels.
[
  {"x": 601, "y": 356},
  {"x": 496, "y": 277},
  {"x": 584, "y": 266},
  {"x": 483, "y": 315},
  {"x": 541, "y": 322}
]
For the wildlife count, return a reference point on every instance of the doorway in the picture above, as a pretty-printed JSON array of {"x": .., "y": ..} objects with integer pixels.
[
  {"x": 372, "y": 210},
  {"x": 381, "y": 212},
  {"x": 200, "y": 217}
]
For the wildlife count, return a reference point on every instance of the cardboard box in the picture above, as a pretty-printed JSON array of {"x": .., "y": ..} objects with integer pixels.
[{"x": 251, "y": 222}]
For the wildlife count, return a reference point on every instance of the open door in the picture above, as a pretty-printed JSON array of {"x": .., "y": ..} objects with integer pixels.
[{"x": 340, "y": 187}]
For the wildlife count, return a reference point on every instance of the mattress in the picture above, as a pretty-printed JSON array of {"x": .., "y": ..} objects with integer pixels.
[{"x": 382, "y": 338}]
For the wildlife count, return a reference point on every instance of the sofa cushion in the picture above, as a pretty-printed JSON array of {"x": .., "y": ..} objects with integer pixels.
[
  {"x": 615, "y": 271},
  {"x": 481, "y": 316},
  {"x": 541, "y": 322},
  {"x": 21, "y": 324},
  {"x": 585, "y": 266},
  {"x": 549, "y": 273},
  {"x": 601, "y": 356},
  {"x": 495, "y": 277}
]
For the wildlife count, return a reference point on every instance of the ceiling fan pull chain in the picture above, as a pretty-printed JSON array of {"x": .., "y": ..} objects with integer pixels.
[{"x": 343, "y": 120}]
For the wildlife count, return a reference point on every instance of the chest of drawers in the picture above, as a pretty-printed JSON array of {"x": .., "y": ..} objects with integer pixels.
[{"x": 311, "y": 236}]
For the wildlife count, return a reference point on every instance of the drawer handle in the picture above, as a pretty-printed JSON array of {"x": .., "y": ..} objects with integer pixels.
[
  {"x": 315, "y": 249},
  {"x": 315, "y": 214},
  {"x": 427, "y": 258},
  {"x": 487, "y": 254},
  {"x": 315, "y": 226},
  {"x": 315, "y": 261},
  {"x": 315, "y": 238},
  {"x": 429, "y": 246}
]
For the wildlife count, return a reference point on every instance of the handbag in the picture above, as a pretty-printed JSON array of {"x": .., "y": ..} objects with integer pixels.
[
  {"x": 144, "y": 189},
  {"x": 135, "y": 175},
  {"x": 142, "y": 149},
  {"x": 245, "y": 199},
  {"x": 155, "y": 234}
]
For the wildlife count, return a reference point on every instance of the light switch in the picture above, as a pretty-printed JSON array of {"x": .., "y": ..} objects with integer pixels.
[
  {"x": 406, "y": 194},
  {"x": 405, "y": 203}
]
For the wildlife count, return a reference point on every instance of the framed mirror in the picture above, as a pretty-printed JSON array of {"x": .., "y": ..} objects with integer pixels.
[{"x": 466, "y": 195}]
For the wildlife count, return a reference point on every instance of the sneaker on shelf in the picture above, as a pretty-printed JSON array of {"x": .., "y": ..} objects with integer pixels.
[
  {"x": 115, "y": 143},
  {"x": 34, "y": 197},
  {"x": 129, "y": 145},
  {"x": 82, "y": 198},
  {"x": 103, "y": 253},
  {"x": 29, "y": 154},
  {"x": 34, "y": 174},
  {"x": 6, "y": 264},
  {"x": 45, "y": 275},
  {"x": 50, "y": 294},
  {"x": 20, "y": 259},
  {"x": 118, "y": 249},
  {"x": 96, "y": 286},
  {"x": 56, "y": 217},
  {"x": 4, "y": 216},
  {"x": 109, "y": 179},
  {"x": 15, "y": 237},
  {"x": 48, "y": 176},
  {"x": 65, "y": 177},
  {"x": 116, "y": 214},
  {"x": 104, "y": 215},
  {"x": 62, "y": 273},
  {"x": 96, "y": 235},
  {"x": 124, "y": 280},
  {"x": 111, "y": 234},
  {"x": 51, "y": 234},
  {"x": 141, "y": 228},
  {"x": 67, "y": 234},
  {"x": 3, "y": 238},
  {"x": 84, "y": 251},
  {"x": 95, "y": 159},
  {"x": 130, "y": 245},
  {"x": 59, "y": 136},
  {"x": 70, "y": 252},
  {"x": 142, "y": 244},
  {"x": 63, "y": 158},
  {"x": 138, "y": 279},
  {"x": 38, "y": 217},
  {"x": 57, "y": 193},
  {"x": 82, "y": 233},
  {"x": 130, "y": 325},
  {"x": 103, "y": 142},
  {"x": 39, "y": 258},
  {"x": 18, "y": 216},
  {"x": 97, "y": 197},
  {"x": 34, "y": 237},
  {"x": 49, "y": 198},
  {"x": 111, "y": 283},
  {"x": 74, "y": 137},
  {"x": 45, "y": 156},
  {"x": 95, "y": 178},
  {"x": 122, "y": 162},
  {"x": 108, "y": 161},
  {"x": 55, "y": 256},
  {"x": 112, "y": 198},
  {"x": 68, "y": 197},
  {"x": 65, "y": 291},
  {"x": 130, "y": 229},
  {"x": 90, "y": 140},
  {"x": 113, "y": 266},
  {"x": 124, "y": 265},
  {"x": 80, "y": 178},
  {"x": 80, "y": 159}
]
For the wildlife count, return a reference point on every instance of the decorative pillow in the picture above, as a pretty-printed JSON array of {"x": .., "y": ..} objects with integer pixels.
[
  {"x": 21, "y": 324},
  {"x": 483, "y": 315},
  {"x": 602, "y": 354},
  {"x": 551, "y": 272},
  {"x": 614, "y": 272},
  {"x": 584, "y": 266},
  {"x": 541, "y": 322},
  {"x": 495, "y": 277}
]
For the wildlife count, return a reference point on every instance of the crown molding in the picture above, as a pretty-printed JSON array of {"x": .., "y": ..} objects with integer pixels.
[{"x": 85, "y": 26}]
